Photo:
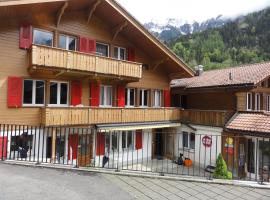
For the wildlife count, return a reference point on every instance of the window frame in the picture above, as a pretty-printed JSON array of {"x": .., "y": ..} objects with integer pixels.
[
  {"x": 119, "y": 51},
  {"x": 108, "y": 48},
  {"x": 160, "y": 98},
  {"x": 142, "y": 98},
  {"x": 43, "y": 30},
  {"x": 126, "y": 140},
  {"x": 59, "y": 94},
  {"x": 68, "y": 37},
  {"x": 105, "y": 96},
  {"x": 257, "y": 102},
  {"x": 33, "y": 104},
  {"x": 249, "y": 101},
  {"x": 189, "y": 140},
  {"x": 127, "y": 102}
]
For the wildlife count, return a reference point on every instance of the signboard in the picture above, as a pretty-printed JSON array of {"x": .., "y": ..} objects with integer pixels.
[
  {"x": 207, "y": 141},
  {"x": 229, "y": 145}
]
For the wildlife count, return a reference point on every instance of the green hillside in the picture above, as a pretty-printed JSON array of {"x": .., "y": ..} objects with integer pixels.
[{"x": 244, "y": 40}]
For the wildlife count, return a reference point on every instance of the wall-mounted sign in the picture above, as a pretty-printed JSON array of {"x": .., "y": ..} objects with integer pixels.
[
  {"x": 207, "y": 141},
  {"x": 229, "y": 145}
]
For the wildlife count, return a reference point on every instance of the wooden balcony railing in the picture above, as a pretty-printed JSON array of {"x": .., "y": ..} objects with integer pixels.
[
  {"x": 49, "y": 57},
  {"x": 86, "y": 115},
  {"x": 206, "y": 117}
]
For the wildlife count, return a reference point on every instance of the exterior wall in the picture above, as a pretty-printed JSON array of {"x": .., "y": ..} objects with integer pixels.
[
  {"x": 201, "y": 156},
  {"x": 14, "y": 61}
]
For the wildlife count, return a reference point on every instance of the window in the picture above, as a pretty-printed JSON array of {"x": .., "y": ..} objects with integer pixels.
[
  {"x": 249, "y": 101},
  {"x": 119, "y": 53},
  {"x": 188, "y": 140},
  {"x": 105, "y": 95},
  {"x": 130, "y": 97},
  {"x": 59, "y": 93},
  {"x": 111, "y": 142},
  {"x": 127, "y": 140},
  {"x": 33, "y": 92},
  {"x": 268, "y": 103},
  {"x": 257, "y": 101},
  {"x": 102, "y": 49},
  {"x": 67, "y": 42},
  {"x": 143, "y": 97},
  {"x": 157, "y": 98},
  {"x": 42, "y": 37}
]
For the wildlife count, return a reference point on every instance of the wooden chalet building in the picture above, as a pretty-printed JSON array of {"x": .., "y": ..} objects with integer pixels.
[
  {"x": 83, "y": 64},
  {"x": 232, "y": 106}
]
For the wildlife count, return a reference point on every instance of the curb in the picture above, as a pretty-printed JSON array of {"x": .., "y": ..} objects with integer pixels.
[{"x": 250, "y": 184}]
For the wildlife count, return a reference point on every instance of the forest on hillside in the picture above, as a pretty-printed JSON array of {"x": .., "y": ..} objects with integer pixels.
[{"x": 243, "y": 40}]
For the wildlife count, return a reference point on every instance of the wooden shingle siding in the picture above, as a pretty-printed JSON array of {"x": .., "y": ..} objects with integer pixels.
[{"x": 242, "y": 101}]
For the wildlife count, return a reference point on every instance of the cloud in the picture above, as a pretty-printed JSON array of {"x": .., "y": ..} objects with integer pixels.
[{"x": 191, "y": 10}]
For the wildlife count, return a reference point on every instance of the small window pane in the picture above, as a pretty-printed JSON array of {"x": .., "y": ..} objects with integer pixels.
[
  {"x": 115, "y": 52},
  {"x": 192, "y": 141},
  {"x": 185, "y": 139},
  {"x": 141, "y": 96},
  {"x": 132, "y": 97},
  {"x": 40, "y": 92},
  {"x": 130, "y": 140},
  {"x": 62, "y": 42},
  {"x": 114, "y": 141},
  {"x": 28, "y": 91},
  {"x": 124, "y": 140},
  {"x": 102, "y": 96},
  {"x": 145, "y": 98},
  {"x": 102, "y": 49},
  {"x": 109, "y": 96},
  {"x": 72, "y": 44},
  {"x": 53, "y": 93},
  {"x": 64, "y": 93},
  {"x": 122, "y": 54},
  {"x": 43, "y": 38}
]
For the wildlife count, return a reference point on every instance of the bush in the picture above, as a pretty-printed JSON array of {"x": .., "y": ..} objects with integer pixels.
[{"x": 221, "y": 171}]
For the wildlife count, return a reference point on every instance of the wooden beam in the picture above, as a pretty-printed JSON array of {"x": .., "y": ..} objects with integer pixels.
[
  {"x": 60, "y": 13},
  {"x": 118, "y": 29},
  {"x": 92, "y": 10},
  {"x": 159, "y": 63},
  {"x": 59, "y": 73}
]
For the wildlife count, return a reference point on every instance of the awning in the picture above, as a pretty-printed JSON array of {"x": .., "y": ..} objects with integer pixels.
[{"x": 136, "y": 126}]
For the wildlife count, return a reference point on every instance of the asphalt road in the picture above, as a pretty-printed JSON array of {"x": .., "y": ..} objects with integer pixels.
[{"x": 27, "y": 183}]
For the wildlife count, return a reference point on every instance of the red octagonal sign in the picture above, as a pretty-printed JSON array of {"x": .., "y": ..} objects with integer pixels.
[{"x": 207, "y": 141}]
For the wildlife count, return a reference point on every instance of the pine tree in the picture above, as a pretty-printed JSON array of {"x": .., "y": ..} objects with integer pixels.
[{"x": 221, "y": 171}]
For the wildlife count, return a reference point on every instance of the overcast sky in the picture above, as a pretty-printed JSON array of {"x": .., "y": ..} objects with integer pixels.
[{"x": 190, "y": 10}]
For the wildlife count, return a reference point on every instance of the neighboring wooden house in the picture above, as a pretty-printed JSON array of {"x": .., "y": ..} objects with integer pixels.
[
  {"x": 211, "y": 98},
  {"x": 83, "y": 63}
]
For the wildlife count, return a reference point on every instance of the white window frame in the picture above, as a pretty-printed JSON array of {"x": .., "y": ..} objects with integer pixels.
[
  {"x": 105, "y": 95},
  {"x": 118, "y": 52},
  {"x": 142, "y": 98},
  {"x": 257, "y": 101},
  {"x": 249, "y": 101},
  {"x": 160, "y": 97},
  {"x": 128, "y": 97},
  {"x": 67, "y": 41},
  {"x": 189, "y": 139},
  {"x": 133, "y": 141},
  {"x": 38, "y": 29},
  {"x": 34, "y": 93},
  {"x": 268, "y": 103},
  {"x": 59, "y": 95},
  {"x": 108, "y": 47}
]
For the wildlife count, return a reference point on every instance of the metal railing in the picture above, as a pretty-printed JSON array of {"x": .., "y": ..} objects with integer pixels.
[{"x": 164, "y": 151}]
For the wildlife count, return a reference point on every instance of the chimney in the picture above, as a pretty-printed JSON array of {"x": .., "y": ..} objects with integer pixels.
[{"x": 198, "y": 70}]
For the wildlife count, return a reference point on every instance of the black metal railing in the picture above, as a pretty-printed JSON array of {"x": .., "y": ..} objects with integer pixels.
[{"x": 164, "y": 151}]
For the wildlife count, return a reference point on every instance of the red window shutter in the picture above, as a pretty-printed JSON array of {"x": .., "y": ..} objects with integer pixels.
[
  {"x": 138, "y": 139},
  {"x": 91, "y": 46},
  {"x": 76, "y": 93},
  {"x": 167, "y": 98},
  {"x": 72, "y": 146},
  {"x": 3, "y": 147},
  {"x": 100, "y": 150},
  {"x": 131, "y": 54},
  {"x": 26, "y": 36},
  {"x": 94, "y": 91},
  {"x": 14, "y": 99},
  {"x": 83, "y": 47},
  {"x": 121, "y": 96}
]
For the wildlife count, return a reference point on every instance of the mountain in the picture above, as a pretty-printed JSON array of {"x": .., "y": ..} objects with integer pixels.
[
  {"x": 173, "y": 28},
  {"x": 245, "y": 39}
]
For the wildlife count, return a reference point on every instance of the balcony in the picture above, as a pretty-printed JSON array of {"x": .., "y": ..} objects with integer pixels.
[
  {"x": 49, "y": 58},
  {"x": 87, "y": 115},
  {"x": 206, "y": 117}
]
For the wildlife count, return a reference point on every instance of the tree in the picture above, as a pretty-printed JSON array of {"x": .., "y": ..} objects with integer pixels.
[{"x": 221, "y": 171}]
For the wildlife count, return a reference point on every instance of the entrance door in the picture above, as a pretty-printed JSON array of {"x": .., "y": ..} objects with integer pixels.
[
  {"x": 159, "y": 144},
  {"x": 84, "y": 151},
  {"x": 251, "y": 157}
]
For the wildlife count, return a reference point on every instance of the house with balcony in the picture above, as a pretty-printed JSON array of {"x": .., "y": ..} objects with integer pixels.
[
  {"x": 226, "y": 111},
  {"x": 80, "y": 79}
]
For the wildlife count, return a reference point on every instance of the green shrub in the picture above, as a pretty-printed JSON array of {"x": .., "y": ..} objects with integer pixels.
[{"x": 221, "y": 171}]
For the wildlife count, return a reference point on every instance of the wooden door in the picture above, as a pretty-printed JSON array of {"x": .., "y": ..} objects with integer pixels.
[{"x": 85, "y": 150}]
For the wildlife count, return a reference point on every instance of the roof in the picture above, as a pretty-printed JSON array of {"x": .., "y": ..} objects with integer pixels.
[
  {"x": 116, "y": 15},
  {"x": 235, "y": 76},
  {"x": 256, "y": 122}
]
